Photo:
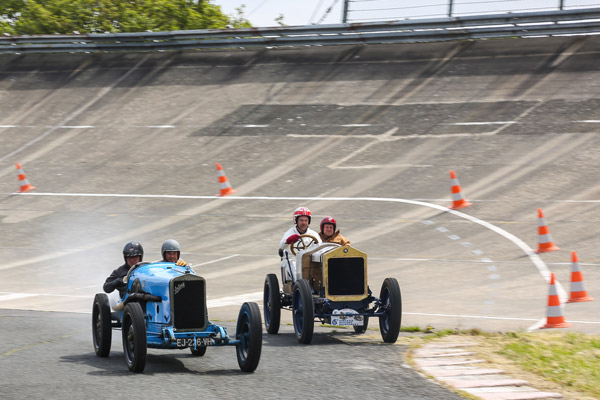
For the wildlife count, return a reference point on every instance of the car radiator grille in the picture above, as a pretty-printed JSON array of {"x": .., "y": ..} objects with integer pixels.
[
  {"x": 189, "y": 305},
  {"x": 346, "y": 276}
]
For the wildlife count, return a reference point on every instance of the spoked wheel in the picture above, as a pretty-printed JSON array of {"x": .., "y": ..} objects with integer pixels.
[
  {"x": 303, "y": 312},
  {"x": 199, "y": 352},
  {"x": 391, "y": 300},
  {"x": 272, "y": 304},
  {"x": 249, "y": 333},
  {"x": 134, "y": 337},
  {"x": 101, "y": 325},
  {"x": 362, "y": 329}
]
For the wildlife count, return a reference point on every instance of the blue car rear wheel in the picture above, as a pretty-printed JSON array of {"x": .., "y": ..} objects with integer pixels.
[
  {"x": 101, "y": 325},
  {"x": 199, "y": 351}
]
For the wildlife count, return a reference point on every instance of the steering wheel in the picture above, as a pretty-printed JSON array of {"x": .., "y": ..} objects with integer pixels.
[
  {"x": 126, "y": 277},
  {"x": 300, "y": 244}
]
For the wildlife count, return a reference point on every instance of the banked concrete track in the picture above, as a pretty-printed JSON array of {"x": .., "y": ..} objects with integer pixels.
[{"x": 366, "y": 134}]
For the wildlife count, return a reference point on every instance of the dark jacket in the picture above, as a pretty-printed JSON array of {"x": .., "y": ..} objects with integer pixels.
[
  {"x": 335, "y": 238},
  {"x": 115, "y": 280}
]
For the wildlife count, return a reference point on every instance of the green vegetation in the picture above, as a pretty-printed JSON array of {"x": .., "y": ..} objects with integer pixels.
[
  {"x": 26, "y": 17},
  {"x": 569, "y": 359},
  {"x": 406, "y": 329}
]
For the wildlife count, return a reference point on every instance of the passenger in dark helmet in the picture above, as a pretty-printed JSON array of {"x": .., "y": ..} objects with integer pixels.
[
  {"x": 133, "y": 253},
  {"x": 171, "y": 250}
]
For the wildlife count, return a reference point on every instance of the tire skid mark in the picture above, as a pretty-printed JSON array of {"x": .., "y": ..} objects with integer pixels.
[
  {"x": 493, "y": 285},
  {"x": 29, "y": 346}
]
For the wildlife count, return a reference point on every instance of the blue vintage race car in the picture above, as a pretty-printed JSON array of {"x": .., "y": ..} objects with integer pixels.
[{"x": 165, "y": 308}]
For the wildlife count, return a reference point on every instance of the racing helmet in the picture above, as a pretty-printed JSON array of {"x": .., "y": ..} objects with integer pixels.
[
  {"x": 133, "y": 249},
  {"x": 301, "y": 211},
  {"x": 170, "y": 245},
  {"x": 328, "y": 220}
]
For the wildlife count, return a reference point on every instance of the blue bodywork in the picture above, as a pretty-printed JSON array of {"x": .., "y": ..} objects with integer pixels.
[{"x": 154, "y": 286}]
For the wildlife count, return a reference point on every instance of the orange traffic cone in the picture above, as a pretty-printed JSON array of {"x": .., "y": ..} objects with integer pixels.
[
  {"x": 458, "y": 201},
  {"x": 224, "y": 184},
  {"x": 544, "y": 239},
  {"x": 23, "y": 181},
  {"x": 578, "y": 292},
  {"x": 554, "y": 317}
]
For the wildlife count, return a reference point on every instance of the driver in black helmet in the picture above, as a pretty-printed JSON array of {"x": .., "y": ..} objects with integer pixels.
[
  {"x": 171, "y": 250},
  {"x": 133, "y": 253}
]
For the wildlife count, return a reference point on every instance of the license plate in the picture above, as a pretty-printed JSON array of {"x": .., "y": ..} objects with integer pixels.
[
  {"x": 189, "y": 342},
  {"x": 347, "y": 320},
  {"x": 347, "y": 317}
]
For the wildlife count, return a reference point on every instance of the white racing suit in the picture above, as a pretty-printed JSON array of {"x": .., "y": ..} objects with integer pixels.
[{"x": 288, "y": 260}]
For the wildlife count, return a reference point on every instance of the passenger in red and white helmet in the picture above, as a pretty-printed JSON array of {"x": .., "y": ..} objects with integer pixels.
[
  {"x": 329, "y": 234},
  {"x": 301, "y": 218}
]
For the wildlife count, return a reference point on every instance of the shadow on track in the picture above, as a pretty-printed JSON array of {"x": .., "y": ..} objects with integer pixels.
[{"x": 155, "y": 364}]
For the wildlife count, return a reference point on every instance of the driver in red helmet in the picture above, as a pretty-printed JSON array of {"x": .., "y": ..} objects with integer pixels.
[
  {"x": 301, "y": 218},
  {"x": 328, "y": 233}
]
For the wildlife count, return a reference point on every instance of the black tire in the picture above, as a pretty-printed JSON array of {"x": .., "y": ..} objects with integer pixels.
[
  {"x": 101, "y": 325},
  {"x": 302, "y": 312},
  {"x": 134, "y": 337},
  {"x": 272, "y": 304},
  {"x": 362, "y": 329},
  {"x": 199, "y": 352},
  {"x": 391, "y": 300},
  {"x": 249, "y": 333}
]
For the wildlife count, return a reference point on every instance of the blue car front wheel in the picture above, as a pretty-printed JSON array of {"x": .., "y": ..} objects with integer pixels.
[
  {"x": 249, "y": 334},
  {"x": 134, "y": 337}
]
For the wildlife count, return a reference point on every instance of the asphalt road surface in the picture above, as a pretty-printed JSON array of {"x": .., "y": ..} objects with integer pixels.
[
  {"x": 123, "y": 147},
  {"x": 53, "y": 359}
]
